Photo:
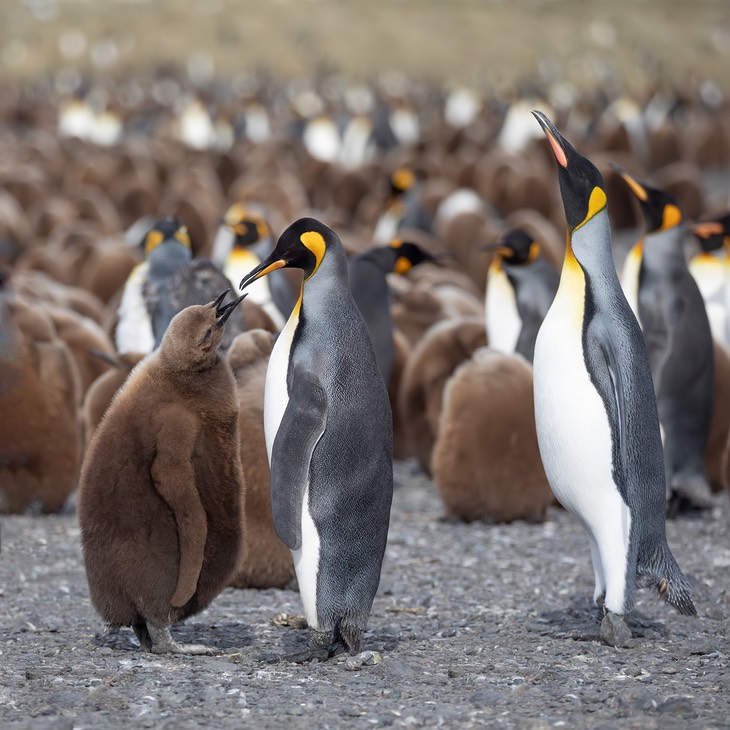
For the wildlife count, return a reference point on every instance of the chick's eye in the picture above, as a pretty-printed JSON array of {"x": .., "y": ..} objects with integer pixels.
[{"x": 207, "y": 335}]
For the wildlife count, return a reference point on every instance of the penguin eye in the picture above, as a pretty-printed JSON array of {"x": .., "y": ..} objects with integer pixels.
[{"x": 207, "y": 335}]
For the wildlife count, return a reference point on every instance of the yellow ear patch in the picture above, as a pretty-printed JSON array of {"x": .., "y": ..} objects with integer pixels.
[
  {"x": 153, "y": 240},
  {"x": 314, "y": 241},
  {"x": 403, "y": 179},
  {"x": 234, "y": 214},
  {"x": 396, "y": 243},
  {"x": 240, "y": 228},
  {"x": 182, "y": 235},
  {"x": 671, "y": 217},
  {"x": 402, "y": 265},
  {"x": 596, "y": 203},
  {"x": 534, "y": 252}
]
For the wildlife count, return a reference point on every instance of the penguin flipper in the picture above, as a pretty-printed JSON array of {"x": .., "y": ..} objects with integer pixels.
[
  {"x": 301, "y": 427},
  {"x": 174, "y": 479}
]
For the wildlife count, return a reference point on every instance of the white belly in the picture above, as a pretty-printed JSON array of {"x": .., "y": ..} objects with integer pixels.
[
  {"x": 503, "y": 320},
  {"x": 276, "y": 399},
  {"x": 134, "y": 329},
  {"x": 573, "y": 430}
]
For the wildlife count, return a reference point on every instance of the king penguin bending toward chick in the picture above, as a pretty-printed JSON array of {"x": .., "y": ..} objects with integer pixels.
[
  {"x": 161, "y": 485},
  {"x": 595, "y": 410},
  {"x": 329, "y": 438}
]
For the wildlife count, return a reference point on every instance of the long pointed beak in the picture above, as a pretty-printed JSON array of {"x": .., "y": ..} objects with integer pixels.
[
  {"x": 554, "y": 137},
  {"x": 636, "y": 188},
  {"x": 216, "y": 304},
  {"x": 497, "y": 248},
  {"x": 265, "y": 267},
  {"x": 705, "y": 230},
  {"x": 223, "y": 313}
]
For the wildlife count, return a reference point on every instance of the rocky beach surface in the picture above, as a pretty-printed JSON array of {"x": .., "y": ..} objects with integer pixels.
[{"x": 475, "y": 625}]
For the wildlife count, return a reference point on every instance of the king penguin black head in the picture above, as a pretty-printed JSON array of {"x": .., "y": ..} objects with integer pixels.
[
  {"x": 302, "y": 246},
  {"x": 581, "y": 184},
  {"x": 167, "y": 229},
  {"x": 661, "y": 210},
  {"x": 247, "y": 226},
  {"x": 517, "y": 247},
  {"x": 712, "y": 235},
  {"x": 408, "y": 255}
]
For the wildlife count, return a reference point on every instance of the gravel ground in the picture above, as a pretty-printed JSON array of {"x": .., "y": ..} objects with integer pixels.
[{"x": 475, "y": 625}]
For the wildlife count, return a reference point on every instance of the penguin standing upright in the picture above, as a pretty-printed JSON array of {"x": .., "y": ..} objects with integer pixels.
[
  {"x": 679, "y": 345},
  {"x": 521, "y": 285},
  {"x": 161, "y": 485},
  {"x": 595, "y": 410},
  {"x": 711, "y": 270},
  {"x": 144, "y": 307},
  {"x": 242, "y": 242},
  {"x": 328, "y": 428},
  {"x": 367, "y": 272}
]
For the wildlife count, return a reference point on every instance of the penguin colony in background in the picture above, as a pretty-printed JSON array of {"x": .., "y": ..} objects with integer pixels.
[
  {"x": 459, "y": 377},
  {"x": 596, "y": 415}
]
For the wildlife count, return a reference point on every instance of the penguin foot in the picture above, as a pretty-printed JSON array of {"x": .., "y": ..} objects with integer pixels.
[
  {"x": 321, "y": 648},
  {"x": 159, "y": 641},
  {"x": 615, "y": 632},
  {"x": 692, "y": 489}
]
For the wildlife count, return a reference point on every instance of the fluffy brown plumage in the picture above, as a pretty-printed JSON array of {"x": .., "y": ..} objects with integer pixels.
[
  {"x": 431, "y": 363},
  {"x": 266, "y": 561},
  {"x": 40, "y": 440},
  {"x": 486, "y": 462},
  {"x": 101, "y": 392},
  {"x": 161, "y": 485}
]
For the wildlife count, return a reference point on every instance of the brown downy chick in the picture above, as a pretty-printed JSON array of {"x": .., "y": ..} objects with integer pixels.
[{"x": 161, "y": 485}]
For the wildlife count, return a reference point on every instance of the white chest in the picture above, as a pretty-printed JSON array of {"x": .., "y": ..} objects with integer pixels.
[
  {"x": 572, "y": 425},
  {"x": 503, "y": 320}
]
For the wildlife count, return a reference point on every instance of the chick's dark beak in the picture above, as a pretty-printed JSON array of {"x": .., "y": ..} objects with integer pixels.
[{"x": 225, "y": 311}]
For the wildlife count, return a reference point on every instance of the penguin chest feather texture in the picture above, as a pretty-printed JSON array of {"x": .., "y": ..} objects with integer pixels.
[
  {"x": 503, "y": 320},
  {"x": 573, "y": 427}
]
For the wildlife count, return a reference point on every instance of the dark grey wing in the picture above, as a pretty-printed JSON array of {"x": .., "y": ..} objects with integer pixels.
[
  {"x": 656, "y": 324},
  {"x": 302, "y": 425}
]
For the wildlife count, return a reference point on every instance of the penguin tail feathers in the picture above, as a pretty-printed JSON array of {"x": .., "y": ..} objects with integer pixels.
[{"x": 663, "y": 573}]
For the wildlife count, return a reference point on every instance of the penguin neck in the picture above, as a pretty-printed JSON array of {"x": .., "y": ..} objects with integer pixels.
[
  {"x": 384, "y": 257},
  {"x": 589, "y": 249},
  {"x": 664, "y": 248}
]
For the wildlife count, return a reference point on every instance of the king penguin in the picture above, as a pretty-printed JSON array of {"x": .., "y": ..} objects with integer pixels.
[
  {"x": 521, "y": 285},
  {"x": 595, "y": 410},
  {"x": 167, "y": 249},
  {"x": 368, "y": 272},
  {"x": 711, "y": 270},
  {"x": 242, "y": 242},
  {"x": 328, "y": 428},
  {"x": 679, "y": 345}
]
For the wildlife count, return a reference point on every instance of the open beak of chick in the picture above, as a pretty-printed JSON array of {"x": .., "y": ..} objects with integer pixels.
[{"x": 224, "y": 311}]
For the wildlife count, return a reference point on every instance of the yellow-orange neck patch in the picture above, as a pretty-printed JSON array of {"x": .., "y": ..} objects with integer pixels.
[
  {"x": 596, "y": 203},
  {"x": 402, "y": 265},
  {"x": 153, "y": 240},
  {"x": 314, "y": 241},
  {"x": 671, "y": 217},
  {"x": 534, "y": 252}
]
